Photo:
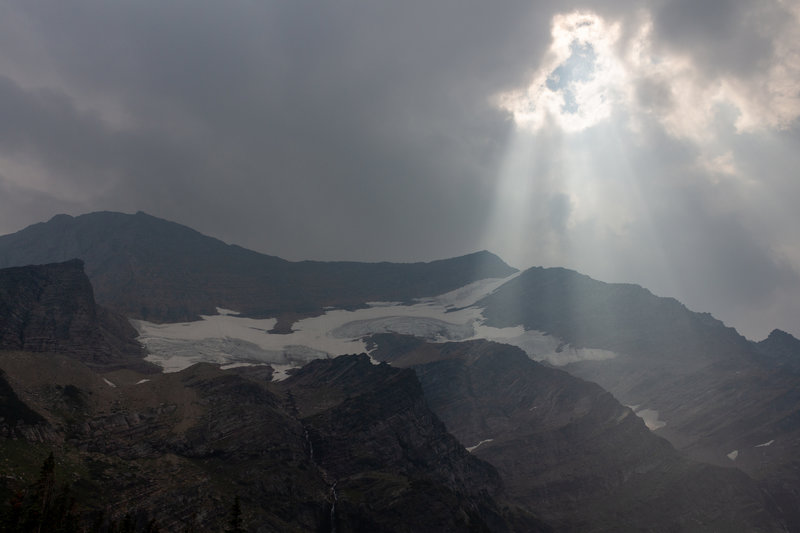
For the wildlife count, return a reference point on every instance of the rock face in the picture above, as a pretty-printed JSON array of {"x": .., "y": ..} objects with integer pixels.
[
  {"x": 157, "y": 270},
  {"x": 568, "y": 449},
  {"x": 375, "y": 439},
  {"x": 176, "y": 448},
  {"x": 51, "y": 308},
  {"x": 352, "y": 447}
]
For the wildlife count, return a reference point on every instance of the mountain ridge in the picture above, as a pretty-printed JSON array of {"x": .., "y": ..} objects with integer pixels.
[{"x": 152, "y": 269}]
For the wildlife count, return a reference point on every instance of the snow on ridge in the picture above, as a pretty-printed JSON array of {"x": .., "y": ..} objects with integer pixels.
[
  {"x": 765, "y": 444},
  {"x": 470, "y": 294}
]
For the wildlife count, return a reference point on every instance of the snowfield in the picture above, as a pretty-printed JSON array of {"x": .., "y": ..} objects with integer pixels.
[{"x": 226, "y": 338}]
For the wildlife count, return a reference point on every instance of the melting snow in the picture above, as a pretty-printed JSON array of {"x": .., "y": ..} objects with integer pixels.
[
  {"x": 765, "y": 444},
  {"x": 228, "y": 338}
]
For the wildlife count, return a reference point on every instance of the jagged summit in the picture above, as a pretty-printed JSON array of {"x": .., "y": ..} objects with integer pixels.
[
  {"x": 778, "y": 335},
  {"x": 781, "y": 347}
]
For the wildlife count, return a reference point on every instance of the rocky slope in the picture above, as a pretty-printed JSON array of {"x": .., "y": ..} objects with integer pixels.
[
  {"x": 360, "y": 452},
  {"x": 377, "y": 442},
  {"x": 343, "y": 444},
  {"x": 716, "y": 395},
  {"x": 156, "y": 270},
  {"x": 569, "y": 448},
  {"x": 51, "y": 308}
]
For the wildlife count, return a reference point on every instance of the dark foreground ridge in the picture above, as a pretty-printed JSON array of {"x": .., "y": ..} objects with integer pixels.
[{"x": 344, "y": 445}]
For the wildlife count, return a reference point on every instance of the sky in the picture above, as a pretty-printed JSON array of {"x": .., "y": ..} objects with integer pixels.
[{"x": 654, "y": 142}]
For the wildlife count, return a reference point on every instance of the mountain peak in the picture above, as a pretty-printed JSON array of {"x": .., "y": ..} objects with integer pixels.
[
  {"x": 60, "y": 218},
  {"x": 781, "y": 345},
  {"x": 780, "y": 335}
]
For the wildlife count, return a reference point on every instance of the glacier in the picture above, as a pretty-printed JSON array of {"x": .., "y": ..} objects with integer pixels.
[{"x": 228, "y": 338}]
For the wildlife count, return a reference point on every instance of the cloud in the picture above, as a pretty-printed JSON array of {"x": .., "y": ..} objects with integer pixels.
[{"x": 659, "y": 146}]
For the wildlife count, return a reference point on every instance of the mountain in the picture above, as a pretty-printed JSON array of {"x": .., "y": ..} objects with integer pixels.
[
  {"x": 152, "y": 269},
  {"x": 348, "y": 445},
  {"x": 567, "y": 448},
  {"x": 552, "y": 450},
  {"x": 51, "y": 308},
  {"x": 623, "y": 318},
  {"x": 341, "y": 445},
  {"x": 712, "y": 393}
]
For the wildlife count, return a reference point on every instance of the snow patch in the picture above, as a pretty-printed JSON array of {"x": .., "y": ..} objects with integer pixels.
[
  {"x": 109, "y": 383},
  {"x": 281, "y": 372},
  {"x": 142, "y": 381},
  {"x": 542, "y": 347},
  {"x": 471, "y": 448},
  {"x": 649, "y": 416},
  {"x": 765, "y": 444},
  {"x": 733, "y": 455},
  {"x": 236, "y": 365}
]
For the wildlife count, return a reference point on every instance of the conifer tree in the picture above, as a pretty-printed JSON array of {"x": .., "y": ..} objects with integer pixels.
[{"x": 235, "y": 521}]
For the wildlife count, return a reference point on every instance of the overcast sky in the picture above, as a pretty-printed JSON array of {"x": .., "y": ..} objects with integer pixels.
[{"x": 648, "y": 142}]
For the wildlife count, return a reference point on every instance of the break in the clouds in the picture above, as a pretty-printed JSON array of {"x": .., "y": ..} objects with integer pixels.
[{"x": 649, "y": 142}]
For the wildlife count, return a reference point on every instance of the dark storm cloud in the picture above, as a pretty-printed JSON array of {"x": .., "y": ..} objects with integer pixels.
[
  {"x": 299, "y": 113},
  {"x": 368, "y": 131}
]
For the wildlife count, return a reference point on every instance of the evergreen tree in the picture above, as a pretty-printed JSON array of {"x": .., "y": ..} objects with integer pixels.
[
  {"x": 41, "y": 509},
  {"x": 235, "y": 521}
]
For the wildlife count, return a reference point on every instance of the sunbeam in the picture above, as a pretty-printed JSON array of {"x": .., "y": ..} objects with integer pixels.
[{"x": 568, "y": 193}]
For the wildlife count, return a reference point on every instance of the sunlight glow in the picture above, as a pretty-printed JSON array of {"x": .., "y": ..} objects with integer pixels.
[
  {"x": 577, "y": 84},
  {"x": 590, "y": 71}
]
